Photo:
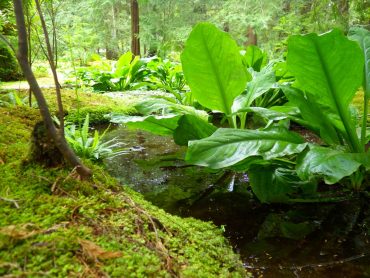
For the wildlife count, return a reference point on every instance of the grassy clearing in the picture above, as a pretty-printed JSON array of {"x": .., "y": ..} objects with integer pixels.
[{"x": 54, "y": 225}]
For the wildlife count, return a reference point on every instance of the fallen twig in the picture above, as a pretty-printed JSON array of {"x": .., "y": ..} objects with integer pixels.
[
  {"x": 54, "y": 186},
  {"x": 11, "y": 201}
]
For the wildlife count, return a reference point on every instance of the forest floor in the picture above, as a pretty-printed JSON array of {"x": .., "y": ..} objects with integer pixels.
[{"x": 54, "y": 225}]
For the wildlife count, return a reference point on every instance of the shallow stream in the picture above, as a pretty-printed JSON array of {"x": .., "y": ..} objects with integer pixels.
[{"x": 267, "y": 237}]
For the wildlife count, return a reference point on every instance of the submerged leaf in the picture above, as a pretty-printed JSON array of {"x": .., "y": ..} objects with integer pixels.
[
  {"x": 191, "y": 127},
  {"x": 279, "y": 225}
]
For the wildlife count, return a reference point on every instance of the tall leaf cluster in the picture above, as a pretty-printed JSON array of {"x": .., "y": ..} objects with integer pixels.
[{"x": 329, "y": 69}]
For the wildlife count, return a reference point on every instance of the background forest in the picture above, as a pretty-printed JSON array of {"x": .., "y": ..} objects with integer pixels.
[{"x": 82, "y": 28}]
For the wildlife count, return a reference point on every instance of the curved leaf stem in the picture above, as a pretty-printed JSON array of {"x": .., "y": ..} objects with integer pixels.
[{"x": 364, "y": 121}]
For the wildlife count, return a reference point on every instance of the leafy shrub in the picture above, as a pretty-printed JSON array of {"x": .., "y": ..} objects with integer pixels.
[
  {"x": 128, "y": 73},
  {"x": 168, "y": 76},
  {"x": 131, "y": 73},
  {"x": 9, "y": 69}
]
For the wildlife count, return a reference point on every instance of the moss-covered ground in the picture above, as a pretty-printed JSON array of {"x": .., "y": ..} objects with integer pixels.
[
  {"x": 78, "y": 103},
  {"x": 54, "y": 225}
]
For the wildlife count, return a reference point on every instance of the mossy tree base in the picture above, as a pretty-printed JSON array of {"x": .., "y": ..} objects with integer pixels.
[{"x": 43, "y": 149}]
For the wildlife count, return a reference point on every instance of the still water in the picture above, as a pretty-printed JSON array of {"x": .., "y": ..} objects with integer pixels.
[{"x": 311, "y": 240}]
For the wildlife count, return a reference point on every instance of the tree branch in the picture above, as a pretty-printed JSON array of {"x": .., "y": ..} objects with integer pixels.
[{"x": 7, "y": 42}]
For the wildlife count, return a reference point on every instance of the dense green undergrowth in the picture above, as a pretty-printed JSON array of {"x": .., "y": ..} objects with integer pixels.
[{"x": 56, "y": 226}]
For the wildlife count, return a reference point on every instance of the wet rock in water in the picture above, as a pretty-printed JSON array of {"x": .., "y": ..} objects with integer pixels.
[{"x": 43, "y": 149}]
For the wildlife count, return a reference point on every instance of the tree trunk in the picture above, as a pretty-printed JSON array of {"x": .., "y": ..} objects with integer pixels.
[
  {"x": 135, "y": 41},
  {"x": 110, "y": 53},
  {"x": 54, "y": 133},
  {"x": 226, "y": 27},
  {"x": 343, "y": 13},
  {"x": 252, "y": 36}
]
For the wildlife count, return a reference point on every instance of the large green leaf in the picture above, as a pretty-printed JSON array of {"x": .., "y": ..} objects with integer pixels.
[
  {"x": 227, "y": 147},
  {"x": 330, "y": 164},
  {"x": 213, "y": 67},
  {"x": 161, "y": 125},
  {"x": 191, "y": 127},
  {"x": 329, "y": 68}
]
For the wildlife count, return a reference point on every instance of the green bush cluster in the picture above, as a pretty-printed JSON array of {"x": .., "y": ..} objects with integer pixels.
[{"x": 9, "y": 69}]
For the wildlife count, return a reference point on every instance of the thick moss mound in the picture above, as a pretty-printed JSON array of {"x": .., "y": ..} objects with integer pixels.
[
  {"x": 52, "y": 224},
  {"x": 9, "y": 69}
]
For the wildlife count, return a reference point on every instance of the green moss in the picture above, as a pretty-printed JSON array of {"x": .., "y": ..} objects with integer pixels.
[{"x": 44, "y": 236}]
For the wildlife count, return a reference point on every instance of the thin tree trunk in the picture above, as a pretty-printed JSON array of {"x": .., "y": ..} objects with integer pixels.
[
  {"x": 29, "y": 22},
  {"x": 22, "y": 57},
  {"x": 52, "y": 14},
  {"x": 135, "y": 41},
  {"x": 53, "y": 68},
  {"x": 252, "y": 36},
  {"x": 343, "y": 13}
]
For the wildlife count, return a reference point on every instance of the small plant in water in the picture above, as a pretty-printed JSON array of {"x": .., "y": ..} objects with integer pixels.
[{"x": 91, "y": 147}]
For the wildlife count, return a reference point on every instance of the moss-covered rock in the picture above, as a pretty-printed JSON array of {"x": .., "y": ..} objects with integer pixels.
[{"x": 52, "y": 224}]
